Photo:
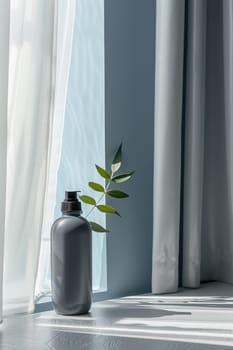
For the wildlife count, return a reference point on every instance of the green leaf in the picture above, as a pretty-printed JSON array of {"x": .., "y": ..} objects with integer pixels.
[
  {"x": 88, "y": 200},
  {"x": 117, "y": 194},
  {"x": 116, "y": 163},
  {"x": 122, "y": 177},
  {"x": 103, "y": 172},
  {"x": 107, "y": 209},
  {"x": 96, "y": 187},
  {"x": 97, "y": 228}
]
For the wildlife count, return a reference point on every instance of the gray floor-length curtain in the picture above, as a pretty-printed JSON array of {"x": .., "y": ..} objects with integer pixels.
[{"x": 193, "y": 166}]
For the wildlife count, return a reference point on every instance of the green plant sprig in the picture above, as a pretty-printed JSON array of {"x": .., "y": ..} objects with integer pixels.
[{"x": 110, "y": 178}]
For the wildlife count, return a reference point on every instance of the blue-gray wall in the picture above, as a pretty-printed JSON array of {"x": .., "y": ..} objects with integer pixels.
[{"x": 129, "y": 113}]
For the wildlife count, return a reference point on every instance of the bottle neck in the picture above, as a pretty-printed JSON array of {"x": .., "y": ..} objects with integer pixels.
[{"x": 72, "y": 213}]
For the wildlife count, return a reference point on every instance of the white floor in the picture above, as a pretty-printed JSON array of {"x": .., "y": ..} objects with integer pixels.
[{"x": 191, "y": 319}]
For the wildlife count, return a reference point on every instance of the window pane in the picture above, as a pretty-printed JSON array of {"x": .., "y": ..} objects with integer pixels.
[{"x": 83, "y": 143}]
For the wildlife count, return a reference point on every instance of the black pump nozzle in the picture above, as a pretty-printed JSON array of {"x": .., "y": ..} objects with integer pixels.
[
  {"x": 71, "y": 202},
  {"x": 71, "y": 195}
]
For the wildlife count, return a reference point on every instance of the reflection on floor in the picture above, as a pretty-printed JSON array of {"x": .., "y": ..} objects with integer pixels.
[{"x": 191, "y": 319}]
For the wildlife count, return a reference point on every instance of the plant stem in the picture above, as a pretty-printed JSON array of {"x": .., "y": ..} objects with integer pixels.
[
  {"x": 94, "y": 206},
  {"x": 101, "y": 197}
]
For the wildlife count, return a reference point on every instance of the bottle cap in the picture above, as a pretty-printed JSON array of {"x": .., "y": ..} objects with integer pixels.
[{"x": 71, "y": 202}]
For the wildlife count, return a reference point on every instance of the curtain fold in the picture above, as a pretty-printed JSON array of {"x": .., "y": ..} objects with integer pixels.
[
  {"x": 65, "y": 18},
  {"x": 4, "y": 58},
  {"x": 193, "y": 182},
  {"x": 194, "y": 109},
  {"x": 38, "y": 73},
  {"x": 168, "y": 111},
  {"x": 30, "y": 121}
]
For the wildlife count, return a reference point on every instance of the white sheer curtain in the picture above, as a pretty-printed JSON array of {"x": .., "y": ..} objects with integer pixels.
[
  {"x": 38, "y": 70},
  {"x": 65, "y": 27},
  {"x": 4, "y": 49}
]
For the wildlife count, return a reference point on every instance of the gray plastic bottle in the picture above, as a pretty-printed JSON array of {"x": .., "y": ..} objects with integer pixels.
[{"x": 71, "y": 259}]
